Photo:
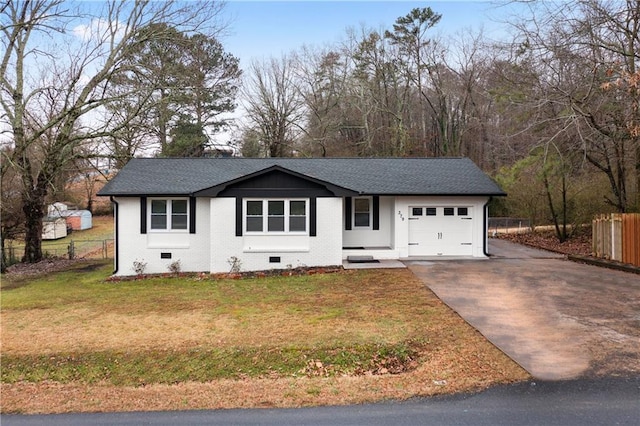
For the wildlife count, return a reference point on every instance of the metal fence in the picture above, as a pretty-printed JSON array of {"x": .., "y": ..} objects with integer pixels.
[
  {"x": 505, "y": 225},
  {"x": 616, "y": 236},
  {"x": 90, "y": 249}
]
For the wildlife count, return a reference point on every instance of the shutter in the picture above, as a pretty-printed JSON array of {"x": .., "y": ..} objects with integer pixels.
[
  {"x": 312, "y": 217},
  {"x": 347, "y": 213},
  {"x": 376, "y": 212},
  {"x": 143, "y": 215},
  {"x": 192, "y": 215},
  {"x": 238, "y": 216}
]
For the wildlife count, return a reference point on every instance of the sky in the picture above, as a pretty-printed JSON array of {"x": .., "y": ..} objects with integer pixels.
[{"x": 260, "y": 29}]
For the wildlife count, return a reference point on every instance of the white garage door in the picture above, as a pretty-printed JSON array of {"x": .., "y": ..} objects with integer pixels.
[{"x": 440, "y": 231}]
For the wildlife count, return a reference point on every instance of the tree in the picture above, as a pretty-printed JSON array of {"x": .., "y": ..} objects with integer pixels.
[
  {"x": 409, "y": 34},
  {"x": 585, "y": 52},
  {"x": 213, "y": 78},
  {"x": 54, "y": 112},
  {"x": 322, "y": 77},
  {"x": 273, "y": 105},
  {"x": 187, "y": 140},
  {"x": 170, "y": 78},
  {"x": 12, "y": 223}
]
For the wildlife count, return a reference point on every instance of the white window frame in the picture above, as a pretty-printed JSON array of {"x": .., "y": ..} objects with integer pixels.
[
  {"x": 265, "y": 216},
  {"x": 353, "y": 213},
  {"x": 169, "y": 203}
]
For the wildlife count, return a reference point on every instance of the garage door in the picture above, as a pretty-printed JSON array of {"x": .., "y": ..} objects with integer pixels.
[{"x": 440, "y": 231}]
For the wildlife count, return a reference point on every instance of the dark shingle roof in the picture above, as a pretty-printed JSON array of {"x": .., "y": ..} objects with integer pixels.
[{"x": 373, "y": 176}]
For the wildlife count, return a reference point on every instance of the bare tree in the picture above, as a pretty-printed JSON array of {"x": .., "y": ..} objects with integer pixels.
[
  {"x": 322, "y": 77},
  {"x": 57, "y": 106},
  {"x": 585, "y": 54},
  {"x": 273, "y": 105}
]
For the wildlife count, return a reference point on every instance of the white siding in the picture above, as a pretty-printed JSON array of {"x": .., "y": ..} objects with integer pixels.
[
  {"x": 215, "y": 242},
  {"x": 254, "y": 251},
  {"x": 369, "y": 237},
  {"x": 192, "y": 250}
]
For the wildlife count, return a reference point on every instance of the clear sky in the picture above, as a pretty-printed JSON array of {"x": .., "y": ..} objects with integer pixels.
[{"x": 260, "y": 29}]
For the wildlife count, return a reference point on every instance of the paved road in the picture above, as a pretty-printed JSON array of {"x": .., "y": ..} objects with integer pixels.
[
  {"x": 581, "y": 402},
  {"x": 557, "y": 319}
]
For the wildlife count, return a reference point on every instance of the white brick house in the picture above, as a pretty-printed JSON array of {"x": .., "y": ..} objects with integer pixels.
[{"x": 279, "y": 213}]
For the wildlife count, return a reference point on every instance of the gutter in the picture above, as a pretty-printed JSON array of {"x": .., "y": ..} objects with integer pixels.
[
  {"x": 485, "y": 240},
  {"x": 116, "y": 236}
]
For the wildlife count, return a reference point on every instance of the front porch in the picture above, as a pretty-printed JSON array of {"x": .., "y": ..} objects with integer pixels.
[
  {"x": 370, "y": 258},
  {"x": 379, "y": 253}
]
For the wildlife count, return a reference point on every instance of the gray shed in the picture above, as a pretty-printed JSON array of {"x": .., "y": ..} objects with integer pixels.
[{"x": 78, "y": 220}]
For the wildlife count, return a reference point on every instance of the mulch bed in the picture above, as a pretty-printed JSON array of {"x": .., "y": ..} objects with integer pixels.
[
  {"x": 234, "y": 275},
  {"x": 579, "y": 244},
  {"x": 43, "y": 267}
]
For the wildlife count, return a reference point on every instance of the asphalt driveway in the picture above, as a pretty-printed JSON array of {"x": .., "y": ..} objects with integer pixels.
[{"x": 557, "y": 319}]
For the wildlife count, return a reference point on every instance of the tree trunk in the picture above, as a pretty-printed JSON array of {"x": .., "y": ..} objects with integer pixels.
[
  {"x": 33, "y": 208},
  {"x": 3, "y": 258},
  {"x": 554, "y": 214}
]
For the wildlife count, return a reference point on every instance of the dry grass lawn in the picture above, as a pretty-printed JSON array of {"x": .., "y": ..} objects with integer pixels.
[{"x": 72, "y": 319}]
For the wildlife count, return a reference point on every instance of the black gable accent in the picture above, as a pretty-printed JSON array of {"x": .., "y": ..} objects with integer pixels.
[{"x": 275, "y": 183}]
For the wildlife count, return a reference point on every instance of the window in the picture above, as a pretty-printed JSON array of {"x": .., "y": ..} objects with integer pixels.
[
  {"x": 297, "y": 216},
  {"x": 169, "y": 215},
  {"x": 448, "y": 211},
  {"x": 463, "y": 211},
  {"x": 362, "y": 212},
  {"x": 416, "y": 211},
  {"x": 275, "y": 221},
  {"x": 254, "y": 216},
  {"x": 431, "y": 211},
  {"x": 277, "y": 216}
]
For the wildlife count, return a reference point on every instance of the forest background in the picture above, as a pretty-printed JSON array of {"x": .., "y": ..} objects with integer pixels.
[{"x": 550, "y": 110}]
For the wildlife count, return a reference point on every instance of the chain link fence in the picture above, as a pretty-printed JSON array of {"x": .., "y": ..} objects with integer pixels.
[
  {"x": 506, "y": 225},
  {"x": 89, "y": 249}
]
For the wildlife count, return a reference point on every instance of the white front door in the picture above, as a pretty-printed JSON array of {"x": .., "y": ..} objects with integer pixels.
[{"x": 440, "y": 231}]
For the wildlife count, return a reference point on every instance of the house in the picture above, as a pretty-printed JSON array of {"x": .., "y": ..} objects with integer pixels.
[{"x": 275, "y": 213}]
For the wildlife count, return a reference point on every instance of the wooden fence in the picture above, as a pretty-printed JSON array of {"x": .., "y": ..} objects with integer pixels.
[{"x": 616, "y": 236}]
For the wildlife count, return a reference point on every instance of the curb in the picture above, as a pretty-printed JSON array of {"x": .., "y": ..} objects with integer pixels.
[{"x": 625, "y": 267}]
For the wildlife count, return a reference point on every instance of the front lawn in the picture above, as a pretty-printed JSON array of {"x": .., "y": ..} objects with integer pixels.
[{"x": 80, "y": 343}]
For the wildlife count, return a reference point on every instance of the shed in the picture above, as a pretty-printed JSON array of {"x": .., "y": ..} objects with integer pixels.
[
  {"x": 78, "y": 220},
  {"x": 56, "y": 209},
  {"x": 54, "y": 228}
]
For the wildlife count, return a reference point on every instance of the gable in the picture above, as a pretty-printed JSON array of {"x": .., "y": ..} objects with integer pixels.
[{"x": 274, "y": 182}]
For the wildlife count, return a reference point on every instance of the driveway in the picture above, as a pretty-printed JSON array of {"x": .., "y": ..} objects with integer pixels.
[{"x": 557, "y": 319}]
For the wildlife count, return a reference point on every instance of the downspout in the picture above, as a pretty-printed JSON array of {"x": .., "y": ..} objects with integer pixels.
[
  {"x": 485, "y": 220},
  {"x": 116, "y": 235}
]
